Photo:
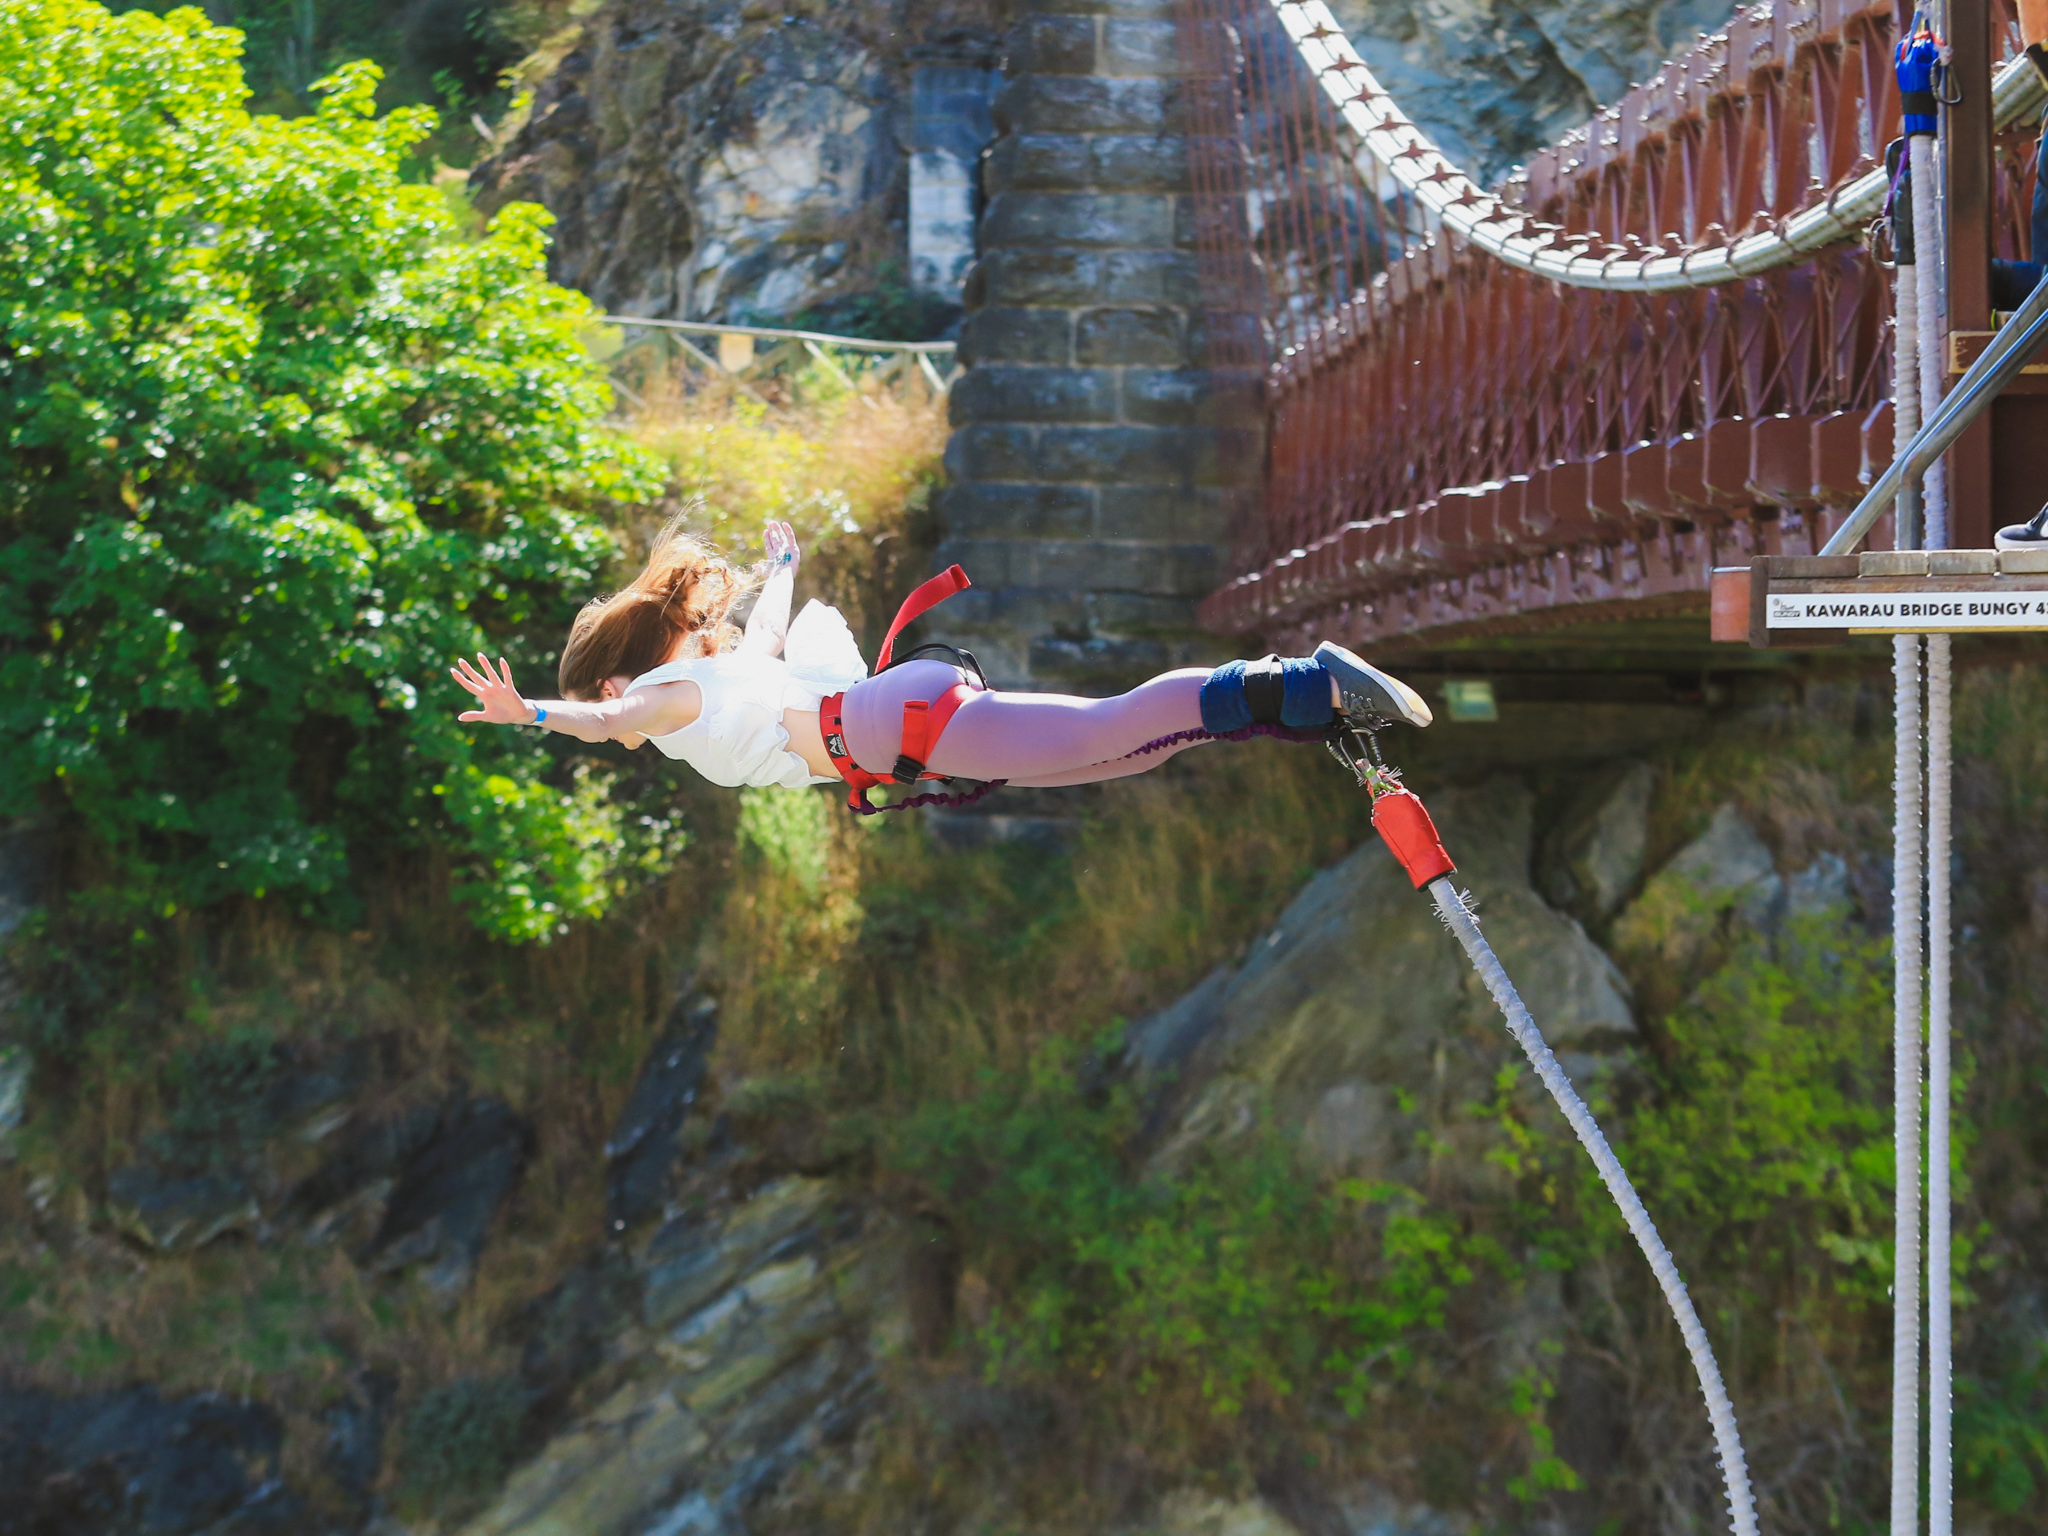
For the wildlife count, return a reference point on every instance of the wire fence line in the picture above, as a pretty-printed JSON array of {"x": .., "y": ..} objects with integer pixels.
[{"x": 754, "y": 358}]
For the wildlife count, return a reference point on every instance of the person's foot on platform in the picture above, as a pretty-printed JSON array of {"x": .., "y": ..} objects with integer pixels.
[
  {"x": 2028, "y": 535},
  {"x": 1367, "y": 697}
]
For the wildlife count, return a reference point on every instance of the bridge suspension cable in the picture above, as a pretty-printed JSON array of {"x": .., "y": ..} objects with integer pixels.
[{"x": 1512, "y": 235}]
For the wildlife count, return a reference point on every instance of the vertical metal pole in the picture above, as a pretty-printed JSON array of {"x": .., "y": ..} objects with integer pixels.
[
  {"x": 1905, "y": 388},
  {"x": 1967, "y": 206},
  {"x": 1931, "y": 324}
]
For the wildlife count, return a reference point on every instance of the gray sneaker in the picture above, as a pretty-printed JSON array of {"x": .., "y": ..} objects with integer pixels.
[{"x": 1371, "y": 698}]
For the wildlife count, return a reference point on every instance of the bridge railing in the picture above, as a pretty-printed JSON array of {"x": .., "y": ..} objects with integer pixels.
[{"x": 1453, "y": 440}]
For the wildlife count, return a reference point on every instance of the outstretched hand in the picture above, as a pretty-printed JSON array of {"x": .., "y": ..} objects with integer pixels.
[
  {"x": 493, "y": 689},
  {"x": 780, "y": 539}
]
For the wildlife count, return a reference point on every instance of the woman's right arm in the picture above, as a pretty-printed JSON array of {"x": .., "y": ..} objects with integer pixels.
[{"x": 656, "y": 711}]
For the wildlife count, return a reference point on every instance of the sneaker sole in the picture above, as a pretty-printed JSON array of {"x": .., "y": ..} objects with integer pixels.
[{"x": 1380, "y": 694}]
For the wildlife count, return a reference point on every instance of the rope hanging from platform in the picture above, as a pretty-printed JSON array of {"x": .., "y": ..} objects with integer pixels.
[{"x": 1907, "y": 848}]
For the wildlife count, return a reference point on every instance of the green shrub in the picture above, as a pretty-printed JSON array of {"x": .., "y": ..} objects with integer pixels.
[
  {"x": 277, "y": 446},
  {"x": 457, "y": 1442},
  {"x": 1768, "y": 1141},
  {"x": 2001, "y": 1428},
  {"x": 1230, "y": 1284},
  {"x": 219, "y": 1086}
]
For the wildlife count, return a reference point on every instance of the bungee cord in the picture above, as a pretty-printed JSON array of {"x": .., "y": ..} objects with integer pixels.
[
  {"x": 1402, "y": 822},
  {"x": 1458, "y": 918}
]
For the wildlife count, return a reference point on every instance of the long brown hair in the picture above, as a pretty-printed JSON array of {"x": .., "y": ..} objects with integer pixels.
[{"x": 679, "y": 605}]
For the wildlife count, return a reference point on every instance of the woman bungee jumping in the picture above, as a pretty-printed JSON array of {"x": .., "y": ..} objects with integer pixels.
[{"x": 793, "y": 703}]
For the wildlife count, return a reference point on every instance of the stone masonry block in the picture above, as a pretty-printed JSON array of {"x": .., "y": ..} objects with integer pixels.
[
  {"x": 991, "y": 451},
  {"x": 1141, "y": 9},
  {"x": 1079, "y": 278},
  {"x": 1094, "y": 565},
  {"x": 1058, "y": 45},
  {"x": 1134, "y": 337},
  {"x": 1150, "y": 277},
  {"x": 1132, "y": 162},
  {"x": 994, "y": 392},
  {"x": 1191, "y": 397},
  {"x": 1133, "y": 45},
  {"x": 1126, "y": 455},
  {"x": 1092, "y": 104},
  {"x": 1170, "y": 514},
  {"x": 1066, "y": 220},
  {"x": 982, "y": 609},
  {"x": 1077, "y": 455},
  {"x": 1102, "y": 162},
  {"x": 1097, "y": 665},
  {"x": 1226, "y": 339},
  {"x": 1212, "y": 222},
  {"x": 1035, "y": 162},
  {"x": 1134, "y": 613},
  {"x": 1007, "y": 335},
  {"x": 1042, "y": 277},
  {"x": 992, "y": 563},
  {"x": 970, "y": 512}
]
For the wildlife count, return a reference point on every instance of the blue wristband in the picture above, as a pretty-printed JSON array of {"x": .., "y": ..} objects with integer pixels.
[{"x": 539, "y": 715}]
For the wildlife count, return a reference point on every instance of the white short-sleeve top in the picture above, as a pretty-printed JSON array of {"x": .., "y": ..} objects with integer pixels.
[{"x": 739, "y": 737}]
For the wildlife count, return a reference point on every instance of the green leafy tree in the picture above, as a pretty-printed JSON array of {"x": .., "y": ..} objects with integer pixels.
[{"x": 275, "y": 445}]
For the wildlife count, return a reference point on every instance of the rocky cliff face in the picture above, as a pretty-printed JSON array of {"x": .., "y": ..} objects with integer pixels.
[
  {"x": 1494, "y": 80},
  {"x": 735, "y": 160},
  {"x": 739, "y": 160}
]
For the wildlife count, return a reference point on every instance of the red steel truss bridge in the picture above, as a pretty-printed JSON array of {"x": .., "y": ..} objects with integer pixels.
[{"x": 1661, "y": 347}]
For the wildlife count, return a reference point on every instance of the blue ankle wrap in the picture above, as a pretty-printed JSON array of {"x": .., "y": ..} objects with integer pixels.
[
  {"x": 1224, "y": 708},
  {"x": 1306, "y": 700},
  {"x": 1308, "y": 692}
]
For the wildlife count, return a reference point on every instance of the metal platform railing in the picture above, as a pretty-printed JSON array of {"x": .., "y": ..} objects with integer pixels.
[{"x": 736, "y": 353}]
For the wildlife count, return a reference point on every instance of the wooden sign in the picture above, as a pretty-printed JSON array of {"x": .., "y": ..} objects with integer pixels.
[{"x": 1811, "y": 600}]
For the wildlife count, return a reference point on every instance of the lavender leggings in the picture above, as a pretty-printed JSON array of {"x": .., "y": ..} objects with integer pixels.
[{"x": 1036, "y": 740}]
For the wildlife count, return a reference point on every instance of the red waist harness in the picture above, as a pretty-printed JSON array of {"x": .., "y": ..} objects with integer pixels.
[{"x": 923, "y": 723}]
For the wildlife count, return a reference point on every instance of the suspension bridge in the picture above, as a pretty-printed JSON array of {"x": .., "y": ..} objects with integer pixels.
[{"x": 1664, "y": 346}]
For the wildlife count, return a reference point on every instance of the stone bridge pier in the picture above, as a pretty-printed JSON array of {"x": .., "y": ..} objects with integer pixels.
[{"x": 1107, "y": 430}]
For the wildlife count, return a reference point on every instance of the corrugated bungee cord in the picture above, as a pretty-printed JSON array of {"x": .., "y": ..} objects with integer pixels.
[
  {"x": 1404, "y": 824},
  {"x": 1720, "y": 1410}
]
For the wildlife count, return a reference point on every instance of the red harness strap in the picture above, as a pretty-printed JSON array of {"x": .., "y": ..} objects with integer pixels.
[{"x": 923, "y": 723}]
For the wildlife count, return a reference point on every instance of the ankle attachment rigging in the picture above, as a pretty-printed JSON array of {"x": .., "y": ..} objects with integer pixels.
[{"x": 1293, "y": 691}]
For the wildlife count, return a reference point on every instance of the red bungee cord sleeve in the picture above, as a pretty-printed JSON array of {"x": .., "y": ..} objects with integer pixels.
[
  {"x": 1411, "y": 836},
  {"x": 923, "y": 598}
]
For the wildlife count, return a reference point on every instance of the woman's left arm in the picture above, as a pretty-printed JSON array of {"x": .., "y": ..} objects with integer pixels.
[{"x": 768, "y": 624}]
